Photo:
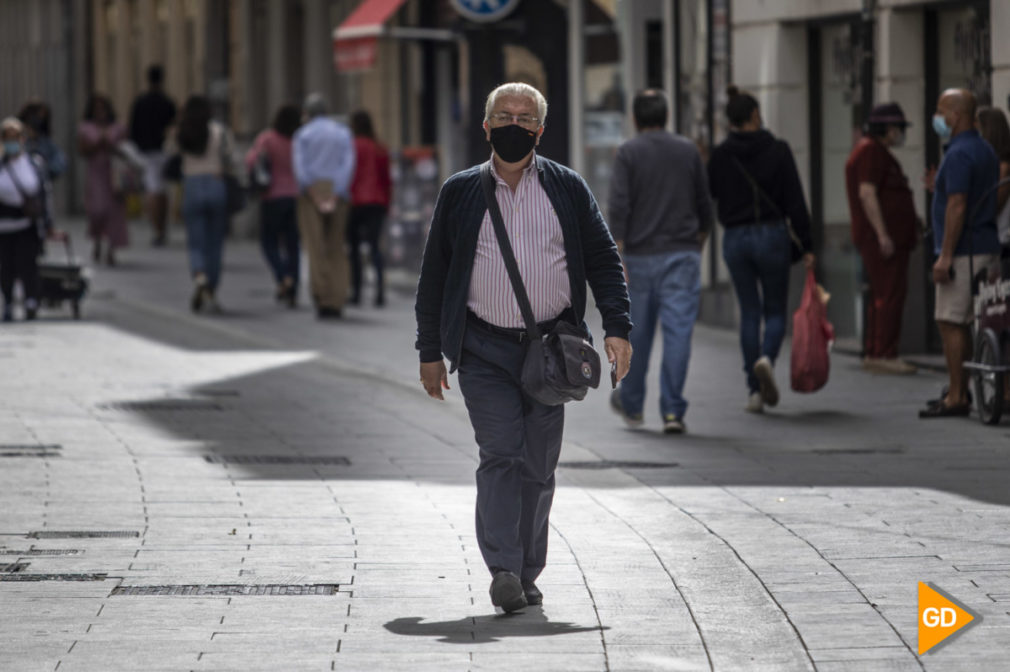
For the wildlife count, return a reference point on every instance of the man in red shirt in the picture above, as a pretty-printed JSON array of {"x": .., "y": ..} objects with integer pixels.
[{"x": 884, "y": 230}]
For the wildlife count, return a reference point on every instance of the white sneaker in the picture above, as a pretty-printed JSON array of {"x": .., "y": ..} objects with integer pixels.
[
  {"x": 766, "y": 379},
  {"x": 754, "y": 403}
]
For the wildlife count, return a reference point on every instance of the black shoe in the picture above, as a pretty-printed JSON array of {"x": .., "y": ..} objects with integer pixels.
[
  {"x": 31, "y": 310},
  {"x": 159, "y": 240},
  {"x": 328, "y": 313},
  {"x": 380, "y": 300},
  {"x": 943, "y": 395},
  {"x": 507, "y": 592},
  {"x": 199, "y": 294},
  {"x": 8, "y": 314},
  {"x": 355, "y": 300},
  {"x": 942, "y": 410},
  {"x": 533, "y": 594}
]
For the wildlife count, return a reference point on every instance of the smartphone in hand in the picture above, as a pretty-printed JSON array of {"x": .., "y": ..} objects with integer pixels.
[{"x": 613, "y": 375}]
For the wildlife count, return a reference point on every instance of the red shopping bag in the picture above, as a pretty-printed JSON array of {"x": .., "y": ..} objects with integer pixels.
[{"x": 812, "y": 337}]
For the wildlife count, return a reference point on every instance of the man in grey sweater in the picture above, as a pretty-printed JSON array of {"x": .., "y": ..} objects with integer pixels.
[{"x": 660, "y": 215}]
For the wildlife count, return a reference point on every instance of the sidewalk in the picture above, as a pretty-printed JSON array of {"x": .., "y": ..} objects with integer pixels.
[{"x": 262, "y": 491}]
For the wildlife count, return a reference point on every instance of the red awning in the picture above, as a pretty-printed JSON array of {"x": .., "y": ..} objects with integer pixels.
[{"x": 354, "y": 41}]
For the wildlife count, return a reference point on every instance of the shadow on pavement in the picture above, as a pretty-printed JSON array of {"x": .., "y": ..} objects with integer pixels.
[
  {"x": 315, "y": 411},
  {"x": 532, "y": 622}
]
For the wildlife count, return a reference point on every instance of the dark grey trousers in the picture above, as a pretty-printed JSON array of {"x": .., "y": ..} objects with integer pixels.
[{"x": 520, "y": 442}]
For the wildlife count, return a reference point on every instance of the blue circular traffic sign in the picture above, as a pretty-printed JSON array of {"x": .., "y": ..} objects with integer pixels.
[{"x": 485, "y": 11}]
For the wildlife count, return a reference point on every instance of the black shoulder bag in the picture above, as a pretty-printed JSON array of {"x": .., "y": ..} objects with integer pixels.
[
  {"x": 559, "y": 366},
  {"x": 796, "y": 250}
]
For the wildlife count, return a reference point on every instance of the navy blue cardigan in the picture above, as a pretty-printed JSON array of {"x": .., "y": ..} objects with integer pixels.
[{"x": 444, "y": 284}]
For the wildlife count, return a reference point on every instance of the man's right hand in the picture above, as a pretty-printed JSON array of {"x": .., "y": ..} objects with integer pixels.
[
  {"x": 434, "y": 378},
  {"x": 886, "y": 246}
]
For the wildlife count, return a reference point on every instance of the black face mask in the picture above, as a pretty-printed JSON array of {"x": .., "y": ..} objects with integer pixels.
[{"x": 513, "y": 142}]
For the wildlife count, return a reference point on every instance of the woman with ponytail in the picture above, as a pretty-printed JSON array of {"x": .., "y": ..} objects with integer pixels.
[{"x": 752, "y": 176}]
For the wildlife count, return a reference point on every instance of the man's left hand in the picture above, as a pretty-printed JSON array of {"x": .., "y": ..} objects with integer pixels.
[
  {"x": 941, "y": 270},
  {"x": 618, "y": 350}
]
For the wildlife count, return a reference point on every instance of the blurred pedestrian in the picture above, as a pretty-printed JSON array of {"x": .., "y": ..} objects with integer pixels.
[
  {"x": 152, "y": 114},
  {"x": 97, "y": 138},
  {"x": 884, "y": 226},
  {"x": 205, "y": 145},
  {"x": 35, "y": 115},
  {"x": 991, "y": 123},
  {"x": 324, "y": 165},
  {"x": 467, "y": 310},
  {"x": 270, "y": 156},
  {"x": 371, "y": 193},
  {"x": 24, "y": 219},
  {"x": 964, "y": 237},
  {"x": 660, "y": 215},
  {"x": 753, "y": 178}
]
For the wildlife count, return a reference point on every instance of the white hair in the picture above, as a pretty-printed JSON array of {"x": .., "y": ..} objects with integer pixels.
[
  {"x": 519, "y": 90},
  {"x": 315, "y": 105},
  {"x": 12, "y": 124}
]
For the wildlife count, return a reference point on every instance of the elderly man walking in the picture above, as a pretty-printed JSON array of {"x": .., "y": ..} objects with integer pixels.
[
  {"x": 323, "y": 161},
  {"x": 964, "y": 222},
  {"x": 467, "y": 311},
  {"x": 660, "y": 214}
]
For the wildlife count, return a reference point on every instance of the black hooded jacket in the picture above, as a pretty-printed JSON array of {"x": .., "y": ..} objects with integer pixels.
[{"x": 770, "y": 163}]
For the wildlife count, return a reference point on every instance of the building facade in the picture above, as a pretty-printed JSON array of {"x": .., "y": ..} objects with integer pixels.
[{"x": 803, "y": 61}]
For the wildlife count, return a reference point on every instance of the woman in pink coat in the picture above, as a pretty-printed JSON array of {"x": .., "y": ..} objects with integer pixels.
[{"x": 97, "y": 137}]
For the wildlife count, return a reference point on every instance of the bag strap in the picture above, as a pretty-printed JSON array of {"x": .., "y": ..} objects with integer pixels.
[
  {"x": 760, "y": 194},
  {"x": 488, "y": 184}
]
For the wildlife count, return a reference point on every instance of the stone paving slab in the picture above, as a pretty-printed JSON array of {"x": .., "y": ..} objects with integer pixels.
[{"x": 789, "y": 541}]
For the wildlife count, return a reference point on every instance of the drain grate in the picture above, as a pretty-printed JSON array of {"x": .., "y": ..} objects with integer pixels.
[
  {"x": 40, "y": 551},
  {"x": 162, "y": 406},
  {"x": 13, "y": 567},
  {"x": 53, "y": 577},
  {"x": 230, "y": 589},
  {"x": 276, "y": 459},
  {"x": 860, "y": 451},
  {"x": 617, "y": 464},
  {"x": 82, "y": 534},
  {"x": 29, "y": 450}
]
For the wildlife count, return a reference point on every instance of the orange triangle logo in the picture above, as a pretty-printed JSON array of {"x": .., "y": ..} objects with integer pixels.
[{"x": 940, "y": 616}]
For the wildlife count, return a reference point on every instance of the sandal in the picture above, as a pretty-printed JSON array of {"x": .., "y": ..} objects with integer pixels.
[{"x": 942, "y": 410}]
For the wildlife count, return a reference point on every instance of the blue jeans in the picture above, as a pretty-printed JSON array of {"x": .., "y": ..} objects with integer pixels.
[
  {"x": 758, "y": 256},
  {"x": 279, "y": 232},
  {"x": 663, "y": 287},
  {"x": 205, "y": 211}
]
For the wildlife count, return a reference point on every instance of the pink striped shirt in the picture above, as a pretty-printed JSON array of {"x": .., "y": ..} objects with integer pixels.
[{"x": 539, "y": 246}]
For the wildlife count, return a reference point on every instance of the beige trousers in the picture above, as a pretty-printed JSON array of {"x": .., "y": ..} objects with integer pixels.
[{"x": 323, "y": 238}]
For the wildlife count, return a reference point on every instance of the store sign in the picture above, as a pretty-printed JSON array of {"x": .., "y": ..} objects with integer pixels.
[{"x": 485, "y": 11}]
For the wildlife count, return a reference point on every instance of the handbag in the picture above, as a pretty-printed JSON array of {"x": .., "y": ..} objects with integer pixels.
[
  {"x": 796, "y": 251},
  {"x": 259, "y": 173},
  {"x": 810, "y": 362},
  {"x": 33, "y": 205},
  {"x": 172, "y": 170},
  {"x": 235, "y": 193},
  {"x": 561, "y": 365}
]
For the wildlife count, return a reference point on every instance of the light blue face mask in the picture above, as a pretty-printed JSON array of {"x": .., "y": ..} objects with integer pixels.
[
  {"x": 941, "y": 127},
  {"x": 12, "y": 147}
]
